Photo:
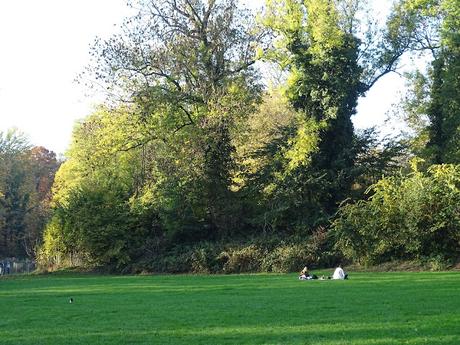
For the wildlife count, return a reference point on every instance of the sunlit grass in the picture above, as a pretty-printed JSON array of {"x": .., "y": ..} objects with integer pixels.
[{"x": 370, "y": 308}]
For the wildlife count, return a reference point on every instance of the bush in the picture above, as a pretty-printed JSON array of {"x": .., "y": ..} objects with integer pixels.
[
  {"x": 267, "y": 254},
  {"x": 94, "y": 224},
  {"x": 438, "y": 263},
  {"x": 287, "y": 258},
  {"x": 204, "y": 258},
  {"x": 407, "y": 217},
  {"x": 240, "y": 260}
]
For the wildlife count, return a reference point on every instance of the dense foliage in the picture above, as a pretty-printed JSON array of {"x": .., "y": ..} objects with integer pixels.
[
  {"x": 433, "y": 105},
  {"x": 193, "y": 166},
  {"x": 406, "y": 217},
  {"x": 320, "y": 45},
  {"x": 26, "y": 177},
  {"x": 416, "y": 216}
]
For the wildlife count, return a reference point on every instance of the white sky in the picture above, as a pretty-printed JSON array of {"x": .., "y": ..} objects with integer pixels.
[{"x": 44, "y": 44}]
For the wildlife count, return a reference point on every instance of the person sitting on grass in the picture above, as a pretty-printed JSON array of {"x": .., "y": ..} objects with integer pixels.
[
  {"x": 339, "y": 273},
  {"x": 305, "y": 274}
]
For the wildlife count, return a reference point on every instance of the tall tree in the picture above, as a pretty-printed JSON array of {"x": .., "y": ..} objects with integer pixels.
[
  {"x": 331, "y": 65},
  {"x": 188, "y": 65},
  {"x": 93, "y": 194},
  {"x": 43, "y": 165},
  {"x": 433, "y": 104},
  {"x": 16, "y": 191},
  {"x": 26, "y": 175}
]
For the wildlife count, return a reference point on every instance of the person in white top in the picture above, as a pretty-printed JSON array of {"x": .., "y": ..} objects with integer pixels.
[{"x": 339, "y": 273}]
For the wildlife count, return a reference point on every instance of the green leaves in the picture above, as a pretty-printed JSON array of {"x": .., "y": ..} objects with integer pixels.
[
  {"x": 432, "y": 105},
  {"x": 195, "y": 150},
  {"x": 407, "y": 217}
]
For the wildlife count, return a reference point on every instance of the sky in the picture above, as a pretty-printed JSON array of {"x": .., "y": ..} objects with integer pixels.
[{"x": 45, "y": 44}]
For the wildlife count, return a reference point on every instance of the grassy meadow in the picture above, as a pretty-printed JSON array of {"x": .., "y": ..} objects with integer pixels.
[{"x": 370, "y": 308}]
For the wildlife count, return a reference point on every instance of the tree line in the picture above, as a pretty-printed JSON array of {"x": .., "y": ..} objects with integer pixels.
[
  {"x": 26, "y": 177},
  {"x": 198, "y": 163}
]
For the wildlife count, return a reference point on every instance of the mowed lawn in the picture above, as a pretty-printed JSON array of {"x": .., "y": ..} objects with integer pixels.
[{"x": 370, "y": 308}]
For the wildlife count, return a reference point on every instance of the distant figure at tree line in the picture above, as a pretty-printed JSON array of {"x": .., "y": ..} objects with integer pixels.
[
  {"x": 339, "y": 273},
  {"x": 305, "y": 274}
]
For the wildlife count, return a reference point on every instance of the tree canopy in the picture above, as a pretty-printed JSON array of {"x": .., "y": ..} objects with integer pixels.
[
  {"x": 193, "y": 164},
  {"x": 26, "y": 177}
]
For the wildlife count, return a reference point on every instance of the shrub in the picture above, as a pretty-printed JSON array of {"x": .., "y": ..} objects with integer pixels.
[
  {"x": 287, "y": 258},
  {"x": 93, "y": 224},
  {"x": 438, "y": 263},
  {"x": 407, "y": 217},
  {"x": 204, "y": 258},
  {"x": 245, "y": 259}
]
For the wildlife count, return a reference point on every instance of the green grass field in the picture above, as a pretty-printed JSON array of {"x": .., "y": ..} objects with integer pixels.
[{"x": 370, "y": 308}]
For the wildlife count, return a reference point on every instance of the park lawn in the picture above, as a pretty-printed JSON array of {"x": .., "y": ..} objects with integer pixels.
[{"x": 370, "y": 308}]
